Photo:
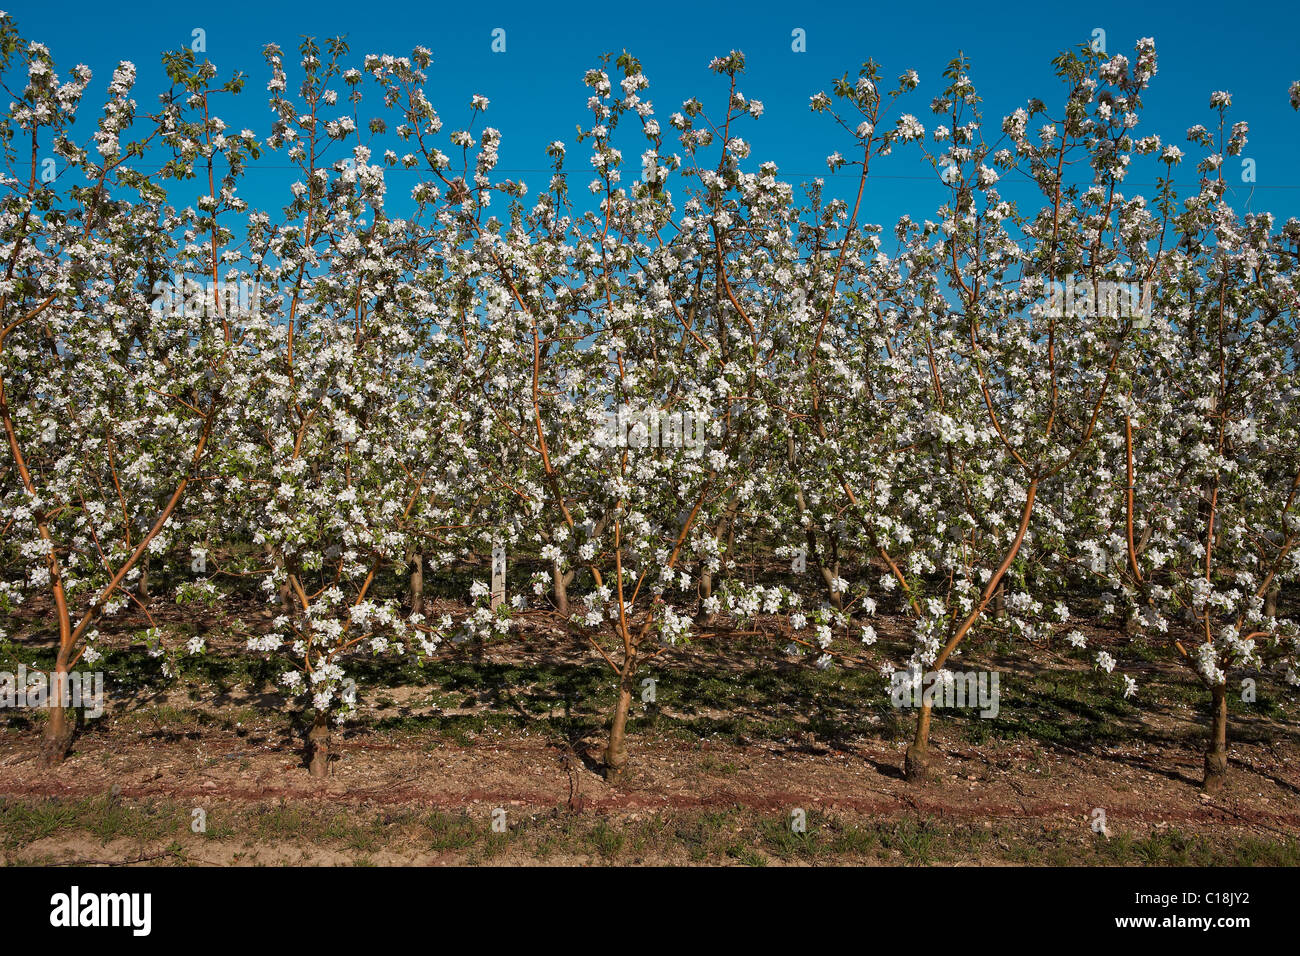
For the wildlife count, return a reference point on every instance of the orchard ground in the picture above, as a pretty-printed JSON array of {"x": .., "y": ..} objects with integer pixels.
[{"x": 739, "y": 737}]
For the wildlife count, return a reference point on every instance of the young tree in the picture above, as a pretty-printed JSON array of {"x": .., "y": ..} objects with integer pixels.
[
  {"x": 108, "y": 405},
  {"x": 1200, "y": 531},
  {"x": 1018, "y": 384}
]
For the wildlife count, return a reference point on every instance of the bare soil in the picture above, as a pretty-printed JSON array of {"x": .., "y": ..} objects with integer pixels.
[{"x": 128, "y": 792}]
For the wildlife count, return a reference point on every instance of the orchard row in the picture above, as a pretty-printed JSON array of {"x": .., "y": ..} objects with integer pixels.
[{"x": 667, "y": 355}]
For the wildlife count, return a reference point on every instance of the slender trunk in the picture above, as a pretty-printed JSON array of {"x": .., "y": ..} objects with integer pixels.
[
  {"x": 57, "y": 741},
  {"x": 318, "y": 746},
  {"x": 916, "y": 765},
  {"x": 1133, "y": 623},
  {"x": 285, "y": 594},
  {"x": 416, "y": 595},
  {"x": 999, "y": 602},
  {"x": 560, "y": 579},
  {"x": 1270, "y": 601},
  {"x": 829, "y": 575},
  {"x": 142, "y": 586},
  {"x": 1216, "y": 754},
  {"x": 704, "y": 618},
  {"x": 616, "y": 751}
]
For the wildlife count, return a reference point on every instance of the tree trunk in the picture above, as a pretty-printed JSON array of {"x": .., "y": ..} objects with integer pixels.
[
  {"x": 916, "y": 765},
  {"x": 999, "y": 602},
  {"x": 829, "y": 575},
  {"x": 285, "y": 593},
  {"x": 1216, "y": 754},
  {"x": 318, "y": 746},
  {"x": 616, "y": 751},
  {"x": 142, "y": 586},
  {"x": 57, "y": 739},
  {"x": 1133, "y": 623},
  {"x": 1270, "y": 601},
  {"x": 704, "y": 618},
  {"x": 416, "y": 594},
  {"x": 560, "y": 579}
]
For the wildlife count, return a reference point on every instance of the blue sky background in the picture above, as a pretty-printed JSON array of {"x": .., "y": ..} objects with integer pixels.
[{"x": 536, "y": 92}]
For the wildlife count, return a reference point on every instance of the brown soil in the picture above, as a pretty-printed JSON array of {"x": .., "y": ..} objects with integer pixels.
[{"x": 1020, "y": 786}]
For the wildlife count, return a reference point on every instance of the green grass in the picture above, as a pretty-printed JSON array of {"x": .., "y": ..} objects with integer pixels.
[
  {"x": 106, "y": 818},
  {"x": 730, "y": 836}
]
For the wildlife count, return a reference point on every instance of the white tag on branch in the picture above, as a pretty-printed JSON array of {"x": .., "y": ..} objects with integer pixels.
[{"x": 498, "y": 574}]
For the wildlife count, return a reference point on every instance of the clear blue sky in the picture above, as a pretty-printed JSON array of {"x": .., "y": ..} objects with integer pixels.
[{"x": 1250, "y": 48}]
